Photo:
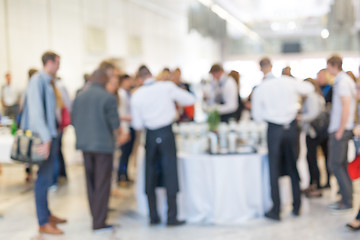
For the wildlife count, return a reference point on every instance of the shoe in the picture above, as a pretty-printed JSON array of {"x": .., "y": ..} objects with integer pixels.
[
  {"x": 50, "y": 229},
  {"x": 175, "y": 223},
  {"x": 272, "y": 216},
  {"x": 314, "y": 194},
  {"x": 334, "y": 205},
  {"x": 155, "y": 221},
  {"x": 106, "y": 228},
  {"x": 296, "y": 212},
  {"x": 353, "y": 228},
  {"x": 56, "y": 220},
  {"x": 327, "y": 186},
  {"x": 341, "y": 209}
]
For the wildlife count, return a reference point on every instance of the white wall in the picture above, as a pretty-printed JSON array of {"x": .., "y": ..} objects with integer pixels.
[{"x": 132, "y": 30}]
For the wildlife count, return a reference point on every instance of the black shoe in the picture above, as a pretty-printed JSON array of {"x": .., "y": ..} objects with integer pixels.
[
  {"x": 155, "y": 221},
  {"x": 272, "y": 216},
  {"x": 296, "y": 212},
  {"x": 352, "y": 228},
  {"x": 175, "y": 223}
]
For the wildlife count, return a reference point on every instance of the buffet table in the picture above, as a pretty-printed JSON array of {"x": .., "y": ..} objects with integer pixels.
[
  {"x": 6, "y": 141},
  {"x": 214, "y": 189}
]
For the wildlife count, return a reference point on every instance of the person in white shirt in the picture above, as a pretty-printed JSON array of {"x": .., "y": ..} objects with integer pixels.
[
  {"x": 342, "y": 118},
  {"x": 225, "y": 94},
  {"x": 10, "y": 98},
  {"x": 153, "y": 108},
  {"x": 126, "y": 84},
  {"x": 275, "y": 101}
]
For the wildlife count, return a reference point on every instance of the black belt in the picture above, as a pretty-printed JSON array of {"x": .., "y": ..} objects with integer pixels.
[{"x": 285, "y": 126}]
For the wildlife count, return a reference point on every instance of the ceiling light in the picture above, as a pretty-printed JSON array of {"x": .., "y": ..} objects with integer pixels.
[
  {"x": 325, "y": 33},
  {"x": 291, "y": 25},
  {"x": 275, "y": 27}
]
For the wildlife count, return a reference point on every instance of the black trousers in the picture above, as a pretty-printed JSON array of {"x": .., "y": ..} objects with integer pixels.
[
  {"x": 161, "y": 169},
  {"x": 283, "y": 151},
  {"x": 98, "y": 169},
  {"x": 311, "y": 156}
]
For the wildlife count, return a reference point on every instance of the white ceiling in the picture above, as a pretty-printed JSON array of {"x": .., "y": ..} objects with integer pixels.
[{"x": 250, "y": 11}]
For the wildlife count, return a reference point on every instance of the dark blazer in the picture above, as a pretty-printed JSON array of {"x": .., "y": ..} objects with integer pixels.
[{"x": 95, "y": 117}]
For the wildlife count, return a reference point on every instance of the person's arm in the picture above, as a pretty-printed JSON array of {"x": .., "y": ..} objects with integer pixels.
[
  {"x": 345, "y": 111},
  {"x": 304, "y": 88},
  {"x": 257, "y": 105},
  {"x": 230, "y": 96},
  {"x": 180, "y": 96},
  {"x": 136, "y": 120},
  {"x": 313, "y": 108}
]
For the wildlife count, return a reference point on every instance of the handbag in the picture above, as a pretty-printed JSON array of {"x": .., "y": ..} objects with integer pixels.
[
  {"x": 65, "y": 118},
  {"x": 354, "y": 168},
  {"x": 24, "y": 148}
]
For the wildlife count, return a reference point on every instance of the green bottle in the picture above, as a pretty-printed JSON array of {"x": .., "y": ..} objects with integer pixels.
[{"x": 13, "y": 128}]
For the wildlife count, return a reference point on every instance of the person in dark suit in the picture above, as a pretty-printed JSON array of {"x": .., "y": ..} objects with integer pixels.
[
  {"x": 274, "y": 101},
  {"x": 96, "y": 121},
  {"x": 153, "y": 108}
]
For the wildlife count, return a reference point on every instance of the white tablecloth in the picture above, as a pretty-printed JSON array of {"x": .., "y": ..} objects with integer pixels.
[
  {"x": 6, "y": 141},
  {"x": 215, "y": 189}
]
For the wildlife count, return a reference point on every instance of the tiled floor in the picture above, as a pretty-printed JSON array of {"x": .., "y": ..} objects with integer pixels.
[{"x": 19, "y": 222}]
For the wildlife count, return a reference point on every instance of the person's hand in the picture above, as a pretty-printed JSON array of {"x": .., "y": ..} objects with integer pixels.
[
  {"x": 123, "y": 138},
  {"x": 339, "y": 134},
  {"x": 44, "y": 149}
]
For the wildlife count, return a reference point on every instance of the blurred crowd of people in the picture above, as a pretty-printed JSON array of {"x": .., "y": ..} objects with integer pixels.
[{"x": 112, "y": 107}]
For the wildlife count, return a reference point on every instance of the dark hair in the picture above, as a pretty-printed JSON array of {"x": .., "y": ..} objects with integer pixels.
[
  {"x": 335, "y": 61},
  {"x": 123, "y": 77},
  {"x": 48, "y": 56},
  {"x": 32, "y": 71},
  {"x": 265, "y": 62},
  {"x": 166, "y": 69},
  {"x": 143, "y": 71},
  {"x": 216, "y": 68}
]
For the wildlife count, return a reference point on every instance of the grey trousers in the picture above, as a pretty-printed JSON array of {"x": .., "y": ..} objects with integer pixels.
[{"x": 338, "y": 162}]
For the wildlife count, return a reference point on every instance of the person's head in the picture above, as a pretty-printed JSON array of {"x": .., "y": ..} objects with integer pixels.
[
  {"x": 176, "y": 76},
  {"x": 350, "y": 73},
  {"x": 8, "y": 78},
  {"x": 31, "y": 72},
  {"x": 126, "y": 82},
  {"x": 164, "y": 75},
  {"x": 109, "y": 68},
  {"x": 321, "y": 77},
  {"x": 315, "y": 84},
  {"x": 236, "y": 76},
  {"x": 99, "y": 76},
  {"x": 265, "y": 65},
  {"x": 51, "y": 62},
  {"x": 286, "y": 71},
  {"x": 142, "y": 74},
  {"x": 216, "y": 71},
  {"x": 334, "y": 65},
  {"x": 86, "y": 78}
]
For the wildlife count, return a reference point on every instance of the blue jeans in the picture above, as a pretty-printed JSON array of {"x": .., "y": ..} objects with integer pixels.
[
  {"x": 43, "y": 182},
  {"x": 126, "y": 150}
]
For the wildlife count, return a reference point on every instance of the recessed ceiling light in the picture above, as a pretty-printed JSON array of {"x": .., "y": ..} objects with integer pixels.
[{"x": 325, "y": 33}]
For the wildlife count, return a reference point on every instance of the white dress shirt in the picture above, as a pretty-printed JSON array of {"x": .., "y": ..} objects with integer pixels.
[
  {"x": 124, "y": 108},
  {"x": 275, "y": 100},
  {"x": 153, "y": 105},
  {"x": 229, "y": 91},
  {"x": 9, "y": 95}
]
